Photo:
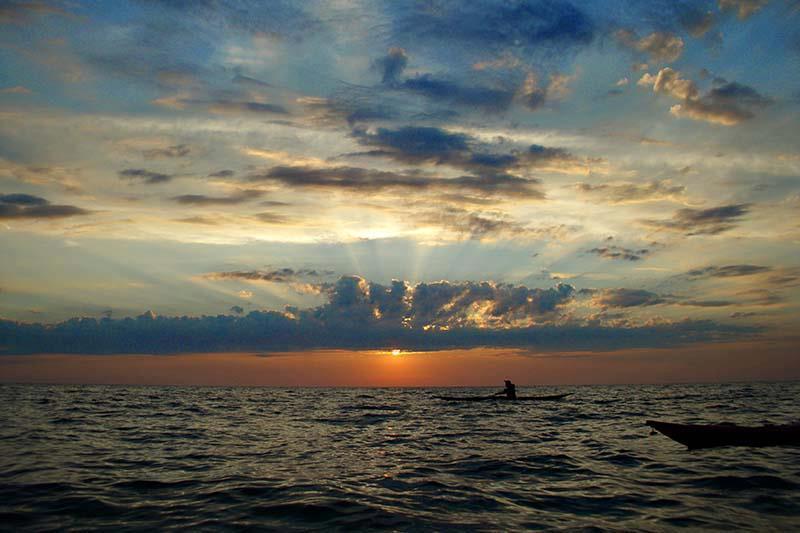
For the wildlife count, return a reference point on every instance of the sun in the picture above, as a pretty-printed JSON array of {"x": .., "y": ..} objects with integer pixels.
[{"x": 396, "y": 352}]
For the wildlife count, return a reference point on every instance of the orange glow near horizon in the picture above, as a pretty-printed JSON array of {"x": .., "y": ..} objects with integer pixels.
[{"x": 342, "y": 368}]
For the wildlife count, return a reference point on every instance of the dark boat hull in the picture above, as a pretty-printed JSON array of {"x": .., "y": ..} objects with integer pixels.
[
  {"x": 711, "y": 436},
  {"x": 550, "y": 397}
]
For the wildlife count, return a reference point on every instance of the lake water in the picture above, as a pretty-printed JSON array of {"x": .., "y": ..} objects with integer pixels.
[{"x": 114, "y": 457}]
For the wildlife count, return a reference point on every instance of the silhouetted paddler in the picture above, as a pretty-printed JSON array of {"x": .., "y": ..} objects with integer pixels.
[{"x": 510, "y": 391}]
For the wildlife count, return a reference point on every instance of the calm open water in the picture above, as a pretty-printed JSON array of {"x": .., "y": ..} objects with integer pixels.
[{"x": 103, "y": 457}]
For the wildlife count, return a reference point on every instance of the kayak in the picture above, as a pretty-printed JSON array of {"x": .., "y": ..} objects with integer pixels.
[
  {"x": 550, "y": 397},
  {"x": 710, "y": 436}
]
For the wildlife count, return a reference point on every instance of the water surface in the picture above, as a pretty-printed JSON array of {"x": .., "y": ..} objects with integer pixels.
[{"x": 102, "y": 457}]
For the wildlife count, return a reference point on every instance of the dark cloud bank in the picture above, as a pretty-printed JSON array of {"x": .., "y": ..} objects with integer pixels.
[
  {"x": 24, "y": 206},
  {"x": 364, "y": 315}
]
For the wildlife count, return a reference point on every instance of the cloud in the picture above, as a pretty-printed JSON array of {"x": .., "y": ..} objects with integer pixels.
[
  {"x": 225, "y": 173},
  {"x": 24, "y": 206},
  {"x": 559, "y": 86},
  {"x": 209, "y": 221},
  {"x": 498, "y": 185},
  {"x": 669, "y": 82},
  {"x": 695, "y": 21},
  {"x": 776, "y": 277},
  {"x": 761, "y": 297},
  {"x": 626, "y": 298},
  {"x": 708, "y": 303},
  {"x": 372, "y": 181},
  {"x": 632, "y": 298},
  {"x": 710, "y": 112},
  {"x": 301, "y": 280},
  {"x": 145, "y": 176},
  {"x": 272, "y": 218},
  {"x": 237, "y": 310},
  {"x": 785, "y": 277},
  {"x": 710, "y": 221},
  {"x": 17, "y": 89},
  {"x": 473, "y": 225},
  {"x": 743, "y": 8},
  {"x": 360, "y": 314},
  {"x": 533, "y": 95},
  {"x": 414, "y": 144},
  {"x": 281, "y": 275},
  {"x": 229, "y": 106},
  {"x": 67, "y": 179},
  {"x": 222, "y": 105},
  {"x": 249, "y": 82},
  {"x": 202, "y": 200},
  {"x": 620, "y": 253},
  {"x": 14, "y": 12},
  {"x": 537, "y": 154},
  {"x": 160, "y": 44},
  {"x": 727, "y": 271},
  {"x": 474, "y": 96},
  {"x": 628, "y": 192},
  {"x": 728, "y": 103},
  {"x": 175, "y": 151},
  {"x": 660, "y": 46},
  {"x": 351, "y": 104},
  {"x": 22, "y": 199},
  {"x": 535, "y": 26},
  {"x": 283, "y": 18},
  {"x": 148, "y": 54},
  {"x": 392, "y": 64},
  {"x": 419, "y": 145},
  {"x": 439, "y": 305}
]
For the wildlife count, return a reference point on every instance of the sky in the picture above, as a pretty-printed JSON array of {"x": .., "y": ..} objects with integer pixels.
[{"x": 515, "y": 180}]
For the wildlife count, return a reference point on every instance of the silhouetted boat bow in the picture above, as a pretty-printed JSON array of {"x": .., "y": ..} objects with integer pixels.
[{"x": 713, "y": 435}]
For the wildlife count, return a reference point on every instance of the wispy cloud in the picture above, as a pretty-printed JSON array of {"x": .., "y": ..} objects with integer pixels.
[
  {"x": 632, "y": 192},
  {"x": 26, "y": 206},
  {"x": 281, "y": 275},
  {"x": 170, "y": 152},
  {"x": 659, "y": 46},
  {"x": 710, "y": 221},
  {"x": 743, "y": 8},
  {"x": 727, "y": 271},
  {"x": 620, "y": 253},
  {"x": 203, "y": 200},
  {"x": 627, "y": 298},
  {"x": 148, "y": 177},
  {"x": 371, "y": 181}
]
